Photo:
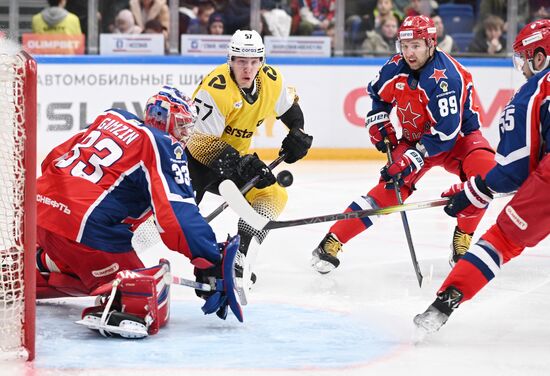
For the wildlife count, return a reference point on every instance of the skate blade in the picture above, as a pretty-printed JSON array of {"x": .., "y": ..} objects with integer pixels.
[{"x": 321, "y": 266}]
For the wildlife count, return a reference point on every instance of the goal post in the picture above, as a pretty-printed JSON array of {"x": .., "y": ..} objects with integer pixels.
[{"x": 18, "y": 118}]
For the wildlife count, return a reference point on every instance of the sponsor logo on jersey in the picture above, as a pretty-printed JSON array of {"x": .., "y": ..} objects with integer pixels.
[
  {"x": 218, "y": 82},
  {"x": 238, "y": 104},
  {"x": 53, "y": 203},
  {"x": 400, "y": 85},
  {"x": 516, "y": 219},
  {"x": 106, "y": 271},
  {"x": 444, "y": 86},
  {"x": 445, "y": 93},
  {"x": 178, "y": 151},
  {"x": 242, "y": 133}
]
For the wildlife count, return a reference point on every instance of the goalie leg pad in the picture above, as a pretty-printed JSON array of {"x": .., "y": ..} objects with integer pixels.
[{"x": 136, "y": 301}]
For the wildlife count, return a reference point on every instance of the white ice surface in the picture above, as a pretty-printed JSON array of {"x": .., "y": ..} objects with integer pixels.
[{"x": 355, "y": 321}]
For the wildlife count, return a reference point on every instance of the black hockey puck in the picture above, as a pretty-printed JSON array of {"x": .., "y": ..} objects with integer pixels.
[{"x": 285, "y": 178}]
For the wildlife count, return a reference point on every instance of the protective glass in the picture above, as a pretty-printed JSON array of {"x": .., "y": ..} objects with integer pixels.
[{"x": 519, "y": 61}]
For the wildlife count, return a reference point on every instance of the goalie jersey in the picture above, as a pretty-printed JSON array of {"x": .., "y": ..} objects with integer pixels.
[
  {"x": 434, "y": 106},
  {"x": 105, "y": 180},
  {"x": 524, "y": 129},
  {"x": 229, "y": 117}
]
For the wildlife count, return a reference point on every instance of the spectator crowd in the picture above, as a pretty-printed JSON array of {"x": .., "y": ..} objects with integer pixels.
[{"x": 463, "y": 26}]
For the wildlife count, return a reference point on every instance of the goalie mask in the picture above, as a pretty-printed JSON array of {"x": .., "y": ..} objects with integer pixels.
[
  {"x": 172, "y": 112},
  {"x": 533, "y": 38}
]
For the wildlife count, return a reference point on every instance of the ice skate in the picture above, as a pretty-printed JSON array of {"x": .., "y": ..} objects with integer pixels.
[
  {"x": 439, "y": 311},
  {"x": 459, "y": 246},
  {"x": 324, "y": 258},
  {"x": 431, "y": 320}
]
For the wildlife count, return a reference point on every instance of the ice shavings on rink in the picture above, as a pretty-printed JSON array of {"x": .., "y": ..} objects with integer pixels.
[{"x": 276, "y": 336}]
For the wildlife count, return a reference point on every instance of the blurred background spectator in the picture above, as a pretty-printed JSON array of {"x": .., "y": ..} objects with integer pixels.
[
  {"x": 80, "y": 9},
  {"x": 216, "y": 24},
  {"x": 499, "y": 8},
  {"x": 237, "y": 16},
  {"x": 357, "y": 18},
  {"x": 109, "y": 10},
  {"x": 153, "y": 27},
  {"x": 275, "y": 21},
  {"x": 199, "y": 25},
  {"x": 145, "y": 10},
  {"x": 381, "y": 41},
  {"x": 316, "y": 15},
  {"x": 539, "y": 9},
  {"x": 55, "y": 19},
  {"x": 125, "y": 23},
  {"x": 489, "y": 38},
  {"x": 384, "y": 9},
  {"x": 444, "y": 41}
]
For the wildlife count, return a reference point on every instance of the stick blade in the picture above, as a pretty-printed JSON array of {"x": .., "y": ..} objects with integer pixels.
[{"x": 238, "y": 203}]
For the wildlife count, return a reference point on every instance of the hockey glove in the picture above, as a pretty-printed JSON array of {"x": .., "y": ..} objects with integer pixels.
[
  {"x": 380, "y": 128},
  {"x": 467, "y": 199},
  {"x": 222, "y": 280},
  {"x": 251, "y": 166},
  {"x": 410, "y": 162},
  {"x": 296, "y": 145}
]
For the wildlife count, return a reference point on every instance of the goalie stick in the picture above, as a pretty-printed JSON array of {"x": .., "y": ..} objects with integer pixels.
[
  {"x": 248, "y": 186},
  {"x": 239, "y": 204}
]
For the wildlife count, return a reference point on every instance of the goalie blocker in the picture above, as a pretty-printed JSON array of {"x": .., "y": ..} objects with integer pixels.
[{"x": 137, "y": 302}]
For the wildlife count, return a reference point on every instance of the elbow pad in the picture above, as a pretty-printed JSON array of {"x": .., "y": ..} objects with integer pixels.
[{"x": 294, "y": 117}]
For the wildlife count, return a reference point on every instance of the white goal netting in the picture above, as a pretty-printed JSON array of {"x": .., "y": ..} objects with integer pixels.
[{"x": 12, "y": 201}]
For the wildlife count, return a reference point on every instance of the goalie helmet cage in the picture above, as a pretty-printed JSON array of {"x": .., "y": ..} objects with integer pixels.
[{"x": 17, "y": 202}]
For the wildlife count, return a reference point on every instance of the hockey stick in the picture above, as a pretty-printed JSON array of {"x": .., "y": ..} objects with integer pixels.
[
  {"x": 404, "y": 219},
  {"x": 239, "y": 204},
  {"x": 248, "y": 186},
  {"x": 187, "y": 282}
]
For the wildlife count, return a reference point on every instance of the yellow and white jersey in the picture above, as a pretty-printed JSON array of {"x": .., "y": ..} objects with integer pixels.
[{"x": 225, "y": 117}]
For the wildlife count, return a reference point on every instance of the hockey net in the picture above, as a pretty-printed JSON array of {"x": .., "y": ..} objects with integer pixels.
[{"x": 17, "y": 202}]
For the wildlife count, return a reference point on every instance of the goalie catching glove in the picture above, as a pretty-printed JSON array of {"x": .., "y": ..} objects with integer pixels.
[
  {"x": 295, "y": 145},
  {"x": 380, "y": 128},
  {"x": 468, "y": 199},
  {"x": 226, "y": 290}
]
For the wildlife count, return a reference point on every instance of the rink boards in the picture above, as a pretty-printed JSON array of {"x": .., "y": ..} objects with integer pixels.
[{"x": 73, "y": 90}]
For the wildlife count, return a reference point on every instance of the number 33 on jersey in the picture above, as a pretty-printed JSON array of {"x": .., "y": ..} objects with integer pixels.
[{"x": 113, "y": 156}]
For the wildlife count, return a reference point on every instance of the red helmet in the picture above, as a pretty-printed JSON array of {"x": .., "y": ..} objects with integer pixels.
[
  {"x": 417, "y": 27},
  {"x": 172, "y": 112},
  {"x": 532, "y": 36}
]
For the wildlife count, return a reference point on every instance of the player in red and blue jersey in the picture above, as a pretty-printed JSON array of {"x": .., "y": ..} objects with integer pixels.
[
  {"x": 523, "y": 164},
  {"x": 98, "y": 186},
  {"x": 433, "y": 98}
]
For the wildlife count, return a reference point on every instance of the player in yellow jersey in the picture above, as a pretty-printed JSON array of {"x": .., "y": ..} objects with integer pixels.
[{"x": 233, "y": 100}]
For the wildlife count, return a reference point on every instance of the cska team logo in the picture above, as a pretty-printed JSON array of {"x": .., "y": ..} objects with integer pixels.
[{"x": 438, "y": 74}]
